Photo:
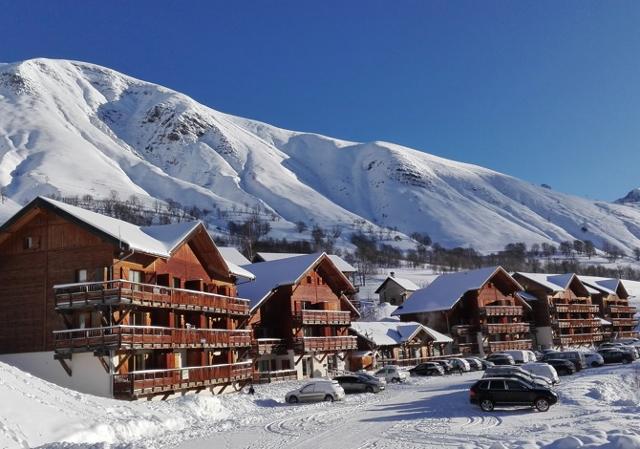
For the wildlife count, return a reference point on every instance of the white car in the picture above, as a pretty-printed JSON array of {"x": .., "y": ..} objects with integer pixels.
[
  {"x": 392, "y": 374},
  {"x": 543, "y": 370},
  {"x": 593, "y": 359},
  {"x": 460, "y": 365},
  {"x": 316, "y": 391},
  {"x": 522, "y": 356}
]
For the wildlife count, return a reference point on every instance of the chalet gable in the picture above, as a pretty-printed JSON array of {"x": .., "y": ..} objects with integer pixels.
[
  {"x": 556, "y": 283},
  {"x": 403, "y": 283}
]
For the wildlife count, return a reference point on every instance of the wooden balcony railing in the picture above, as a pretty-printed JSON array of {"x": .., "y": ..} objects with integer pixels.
[
  {"x": 497, "y": 346},
  {"x": 586, "y": 338},
  {"x": 322, "y": 317},
  {"x": 577, "y": 308},
  {"x": 624, "y": 322},
  {"x": 142, "y": 383},
  {"x": 124, "y": 336},
  {"x": 85, "y": 294},
  {"x": 505, "y": 328},
  {"x": 268, "y": 346},
  {"x": 275, "y": 376},
  {"x": 622, "y": 309},
  {"x": 626, "y": 334},
  {"x": 337, "y": 343},
  {"x": 570, "y": 323},
  {"x": 501, "y": 310}
]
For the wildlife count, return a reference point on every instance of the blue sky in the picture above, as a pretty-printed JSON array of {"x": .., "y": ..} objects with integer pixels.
[{"x": 545, "y": 91}]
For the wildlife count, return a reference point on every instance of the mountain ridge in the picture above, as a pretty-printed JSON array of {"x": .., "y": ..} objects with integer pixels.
[{"x": 72, "y": 128}]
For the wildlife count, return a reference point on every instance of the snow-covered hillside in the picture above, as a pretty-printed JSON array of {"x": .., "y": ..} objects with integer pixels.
[{"x": 76, "y": 128}]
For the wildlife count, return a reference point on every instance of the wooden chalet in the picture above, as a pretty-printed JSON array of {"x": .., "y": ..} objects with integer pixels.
[
  {"x": 479, "y": 309},
  {"x": 612, "y": 298},
  {"x": 128, "y": 311},
  {"x": 395, "y": 290},
  {"x": 300, "y": 316},
  {"x": 394, "y": 342},
  {"x": 562, "y": 311}
]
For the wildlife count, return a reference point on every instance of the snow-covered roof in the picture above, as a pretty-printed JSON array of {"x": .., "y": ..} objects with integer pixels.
[
  {"x": 447, "y": 289},
  {"x": 338, "y": 261},
  {"x": 604, "y": 322},
  {"x": 391, "y": 332},
  {"x": 526, "y": 296},
  {"x": 232, "y": 255},
  {"x": 606, "y": 285},
  {"x": 554, "y": 282},
  {"x": 406, "y": 284},
  {"x": 276, "y": 273}
]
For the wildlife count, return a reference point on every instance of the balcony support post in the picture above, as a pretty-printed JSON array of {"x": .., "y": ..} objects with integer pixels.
[
  {"x": 123, "y": 361},
  {"x": 104, "y": 364}
]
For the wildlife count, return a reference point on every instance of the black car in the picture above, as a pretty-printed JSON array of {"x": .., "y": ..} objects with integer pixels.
[
  {"x": 353, "y": 383},
  {"x": 427, "y": 369},
  {"x": 488, "y": 393},
  {"x": 575, "y": 357},
  {"x": 501, "y": 359},
  {"x": 615, "y": 355},
  {"x": 475, "y": 364},
  {"x": 563, "y": 367}
]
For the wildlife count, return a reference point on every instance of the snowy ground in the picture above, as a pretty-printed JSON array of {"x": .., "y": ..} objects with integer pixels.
[{"x": 598, "y": 408}]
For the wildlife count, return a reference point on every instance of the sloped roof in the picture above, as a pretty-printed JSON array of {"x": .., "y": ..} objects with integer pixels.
[
  {"x": 526, "y": 296},
  {"x": 606, "y": 285},
  {"x": 155, "y": 240},
  {"x": 338, "y": 261},
  {"x": 277, "y": 273},
  {"x": 447, "y": 289},
  {"x": 232, "y": 255},
  {"x": 402, "y": 282},
  {"x": 391, "y": 332},
  {"x": 554, "y": 282}
]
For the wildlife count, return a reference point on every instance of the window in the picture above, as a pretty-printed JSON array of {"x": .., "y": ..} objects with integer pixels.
[
  {"x": 515, "y": 386},
  {"x": 309, "y": 280},
  {"x": 307, "y": 389},
  {"x": 176, "y": 283},
  {"x": 81, "y": 275},
  {"x": 498, "y": 385},
  {"x": 27, "y": 243},
  {"x": 483, "y": 385},
  {"x": 135, "y": 276}
]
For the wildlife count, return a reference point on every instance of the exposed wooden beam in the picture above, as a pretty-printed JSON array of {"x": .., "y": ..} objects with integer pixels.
[
  {"x": 123, "y": 361},
  {"x": 66, "y": 367},
  {"x": 104, "y": 364}
]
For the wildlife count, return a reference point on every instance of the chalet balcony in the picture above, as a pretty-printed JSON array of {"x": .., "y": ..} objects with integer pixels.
[
  {"x": 148, "y": 337},
  {"x": 570, "y": 323},
  {"x": 262, "y": 346},
  {"x": 622, "y": 309},
  {"x": 505, "y": 328},
  {"x": 627, "y": 334},
  {"x": 577, "y": 308},
  {"x": 577, "y": 339},
  {"x": 275, "y": 376},
  {"x": 92, "y": 294},
  {"x": 501, "y": 310},
  {"x": 624, "y": 322},
  {"x": 322, "y": 317},
  {"x": 326, "y": 344},
  {"x": 497, "y": 346},
  {"x": 461, "y": 330},
  {"x": 150, "y": 382}
]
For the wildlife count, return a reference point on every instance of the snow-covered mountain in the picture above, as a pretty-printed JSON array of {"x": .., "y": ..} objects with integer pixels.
[{"x": 75, "y": 128}]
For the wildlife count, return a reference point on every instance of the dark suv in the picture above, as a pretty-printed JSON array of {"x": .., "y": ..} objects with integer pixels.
[
  {"x": 616, "y": 355},
  {"x": 488, "y": 393},
  {"x": 563, "y": 367},
  {"x": 354, "y": 383},
  {"x": 575, "y": 357},
  {"x": 427, "y": 369}
]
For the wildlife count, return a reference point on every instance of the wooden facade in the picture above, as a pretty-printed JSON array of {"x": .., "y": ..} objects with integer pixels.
[
  {"x": 301, "y": 329},
  {"x": 490, "y": 318},
  {"x": 614, "y": 307},
  {"x": 156, "y": 324},
  {"x": 563, "y": 315}
]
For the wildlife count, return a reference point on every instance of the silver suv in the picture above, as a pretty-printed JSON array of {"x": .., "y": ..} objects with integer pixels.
[{"x": 316, "y": 391}]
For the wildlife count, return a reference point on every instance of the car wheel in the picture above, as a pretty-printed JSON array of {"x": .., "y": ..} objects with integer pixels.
[
  {"x": 541, "y": 404},
  {"x": 328, "y": 398},
  {"x": 293, "y": 400},
  {"x": 394, "y": 380},
  {"x": 486, "y": 405},
  {"x": 626, "y": 361},
  {"x": 369, "y": 389}
]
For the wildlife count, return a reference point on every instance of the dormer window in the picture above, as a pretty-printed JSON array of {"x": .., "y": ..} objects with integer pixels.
[
  {"x": 309, "y": 280},
  {"x": 27, "y": 243}
]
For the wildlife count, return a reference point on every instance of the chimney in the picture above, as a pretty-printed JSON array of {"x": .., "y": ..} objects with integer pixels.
[{"x": 392, "y": 274}]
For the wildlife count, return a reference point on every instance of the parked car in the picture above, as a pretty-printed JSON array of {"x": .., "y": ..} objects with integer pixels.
[
  {"x": 460, "y": 365},
  {"x": 487, "y": 364},
  {"x": 445, "y": 364},
  {"x": 520, "y": 356},
  {"x": 498, "y": 358},
  {"x": 381, "y": 380},
  {"x": 488, "y": 393},
  {"x": 316, "y": 391},
  {"x": 575, "y": 357},
  {"x": 593, "y": 359},
  {"x": 543, "y": 370},
  {"x": 615, "y": 355},
  {"x": 563, "y": 367},
  {"x": 623, "y": 347},
  {"x": 392, "y": 374},
  {"x": 352, "y": 383},
  {"x": 628, "y": 341},
  {"x": 517, "y": 373},
  {"x": 427, "y": 369},
  {"x": 474, "y": 364}
]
